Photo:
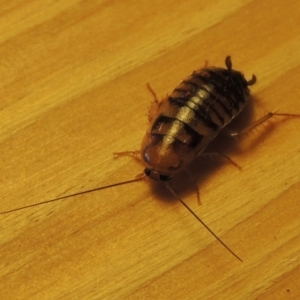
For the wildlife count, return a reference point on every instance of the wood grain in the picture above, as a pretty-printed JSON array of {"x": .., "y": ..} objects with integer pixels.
[{"x": 73, "y": 91}]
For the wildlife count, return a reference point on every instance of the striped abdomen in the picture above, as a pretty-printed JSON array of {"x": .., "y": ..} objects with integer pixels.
[{"x": 191, "y": 117}]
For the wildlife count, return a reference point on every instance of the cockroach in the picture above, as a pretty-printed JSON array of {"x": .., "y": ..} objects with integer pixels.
[{"x": 183, "y": 124}]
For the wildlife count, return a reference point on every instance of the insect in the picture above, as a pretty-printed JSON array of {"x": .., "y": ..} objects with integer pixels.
[
  {"x": 191, "y": 117},
  {"x": 183, "y": 124}
]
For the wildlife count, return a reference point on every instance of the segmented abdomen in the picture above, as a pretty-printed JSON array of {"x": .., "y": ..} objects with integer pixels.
[{"x": 200, "y": 106}]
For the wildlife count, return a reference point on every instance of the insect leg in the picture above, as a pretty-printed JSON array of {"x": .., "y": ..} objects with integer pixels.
[
  {"x": 211, "y": 154},
  {"x": 152, "y": 113},
  {"x": 258, "y": 122},
  {"x": 220, "y": 155},
  {"x": 154, "y": 105},
  {"x": 133, "y": 154}
]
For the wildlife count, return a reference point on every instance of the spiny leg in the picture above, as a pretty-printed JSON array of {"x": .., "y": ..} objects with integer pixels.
[
  {"x": 133, "y": 154},
  {"x": 152, "y": 113},
  {"x": 154, "y": 105},
  {"x": 221, "y": 155},
  {"x": 152, "y": 92},
  {"x": 258, "y": 122},
  {"x": 210, "y": 154}
]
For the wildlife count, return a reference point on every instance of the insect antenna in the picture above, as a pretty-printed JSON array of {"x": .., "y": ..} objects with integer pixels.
[
  {"x": 174, "y": 193},
  {"x": 137, "y": 178}
]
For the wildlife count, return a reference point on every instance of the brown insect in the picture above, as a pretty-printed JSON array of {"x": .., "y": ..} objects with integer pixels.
[
  {"x": 191, "y": 117},
  {"x": 184, "y": 123}
]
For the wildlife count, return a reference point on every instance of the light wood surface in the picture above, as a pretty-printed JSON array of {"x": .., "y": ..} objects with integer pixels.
[{"x": 73, "y": 91}]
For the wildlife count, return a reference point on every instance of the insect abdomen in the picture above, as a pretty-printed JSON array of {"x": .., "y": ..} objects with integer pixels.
[{"x": 213, "y": 95}]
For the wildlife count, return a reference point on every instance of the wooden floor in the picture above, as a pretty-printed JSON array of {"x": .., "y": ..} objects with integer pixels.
[{"x": 73, "y": 91}]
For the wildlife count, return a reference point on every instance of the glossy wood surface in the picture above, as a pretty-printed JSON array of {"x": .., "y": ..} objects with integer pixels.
[{"x": 73, "y": 91}]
